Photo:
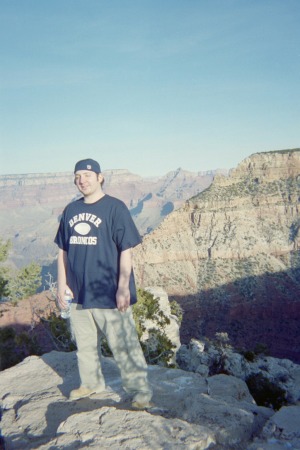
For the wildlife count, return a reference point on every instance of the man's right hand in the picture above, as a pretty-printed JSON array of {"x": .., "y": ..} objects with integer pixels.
[{"x": 61, "y": 292}]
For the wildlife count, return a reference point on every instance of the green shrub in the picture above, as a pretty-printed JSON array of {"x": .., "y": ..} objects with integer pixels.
[
  {"x": 176, "y": 310},
  {"x": 251, "y": 355},
  {"x": 60, "y": 331},
  {"x": 221, "y": 340},
  {"x": 221, "y": 345},
  {"x": 24, "y": 283},
  {"x": 4, "y": 271},
  {"x": 17, "y": 285},
  {"x": 261, "y": 349},
  {"x": 248, "y": 355},
  {"x": 217, "y": 365},
  {"x": 15, "y": 347},
  {"x": 265, "y": 392},
  {"x": 148, "y": 307},
  {"x": 157, "y": 347}
]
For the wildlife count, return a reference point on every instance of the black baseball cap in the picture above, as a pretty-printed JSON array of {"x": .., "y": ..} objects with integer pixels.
[{"x": 87, "y": 164}]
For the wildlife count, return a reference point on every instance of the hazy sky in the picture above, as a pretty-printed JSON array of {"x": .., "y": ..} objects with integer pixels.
[{"x": 147, "y": 85}]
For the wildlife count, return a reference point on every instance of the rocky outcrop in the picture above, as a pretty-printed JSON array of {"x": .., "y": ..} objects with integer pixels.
[
  {"x": 207, "y": 358},
  {"x": 231, "y": 256},
  {"x": 189, "y": 412},
  {"x": 273, "y": 381}
]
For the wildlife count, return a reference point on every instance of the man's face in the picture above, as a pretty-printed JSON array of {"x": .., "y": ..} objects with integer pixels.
[{"x": 87, "y": 182}]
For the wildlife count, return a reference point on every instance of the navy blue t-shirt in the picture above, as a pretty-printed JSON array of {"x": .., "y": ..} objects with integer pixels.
[{"x": 94, "y": 235}]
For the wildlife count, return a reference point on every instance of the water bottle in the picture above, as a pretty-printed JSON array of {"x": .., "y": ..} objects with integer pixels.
[{"x": 65, "y": 314}]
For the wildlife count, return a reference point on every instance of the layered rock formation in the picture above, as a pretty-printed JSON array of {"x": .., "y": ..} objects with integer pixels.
[
  {"x": 231, "y": 256},
  {"x": 31, "y": 205},
  {"x": 190, "y": 412}
]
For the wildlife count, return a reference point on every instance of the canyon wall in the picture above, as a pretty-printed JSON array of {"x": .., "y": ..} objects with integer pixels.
[{"x": 231, "y": 255}]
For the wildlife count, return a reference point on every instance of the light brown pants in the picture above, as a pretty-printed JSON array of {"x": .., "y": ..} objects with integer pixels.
[{"x": 120, "y": 331}]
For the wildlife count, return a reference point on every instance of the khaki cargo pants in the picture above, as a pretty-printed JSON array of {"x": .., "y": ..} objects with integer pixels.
[{"x": 120, "y": 331}]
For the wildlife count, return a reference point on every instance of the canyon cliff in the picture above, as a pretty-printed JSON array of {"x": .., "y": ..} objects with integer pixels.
[
  {"x": 31, "y": 205},
  {"x": 231, "y": 256}
]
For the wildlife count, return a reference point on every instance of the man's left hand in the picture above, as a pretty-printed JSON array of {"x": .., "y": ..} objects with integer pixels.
[{"x": 123, "y": 299}]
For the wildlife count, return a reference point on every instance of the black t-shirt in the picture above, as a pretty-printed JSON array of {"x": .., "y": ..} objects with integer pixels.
[{"x": 94, "y": 235}]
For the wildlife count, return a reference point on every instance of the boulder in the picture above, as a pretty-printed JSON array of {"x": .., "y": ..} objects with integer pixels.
[{"x": 282, "y": 431}]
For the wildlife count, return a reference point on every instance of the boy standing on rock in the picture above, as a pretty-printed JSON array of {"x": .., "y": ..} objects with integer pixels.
[{"x": 95, "y": 238}]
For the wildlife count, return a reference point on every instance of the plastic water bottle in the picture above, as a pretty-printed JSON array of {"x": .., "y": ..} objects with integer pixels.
[{"x": 65, "y": 314}]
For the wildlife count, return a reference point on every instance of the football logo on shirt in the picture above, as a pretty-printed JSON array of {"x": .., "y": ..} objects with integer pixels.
[
  {"x": 82, "y": 228},
  {"x": 83, "y": 223}
]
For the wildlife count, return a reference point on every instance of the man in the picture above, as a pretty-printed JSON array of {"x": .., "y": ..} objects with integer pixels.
[{"x": 95, "y": 238}]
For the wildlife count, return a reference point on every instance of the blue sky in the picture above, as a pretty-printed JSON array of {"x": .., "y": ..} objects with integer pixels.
[{"x": 147, "y": 86}]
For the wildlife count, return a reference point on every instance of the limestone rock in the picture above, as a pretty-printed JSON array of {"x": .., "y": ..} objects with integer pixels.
[
  {"x": 282, "y": 431},
  {"x": 284, "y": 424},
  {"x": 112, "y": 428},
  {"x": 189, "y": 412},
  {"x": 207, "y": 359}
]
